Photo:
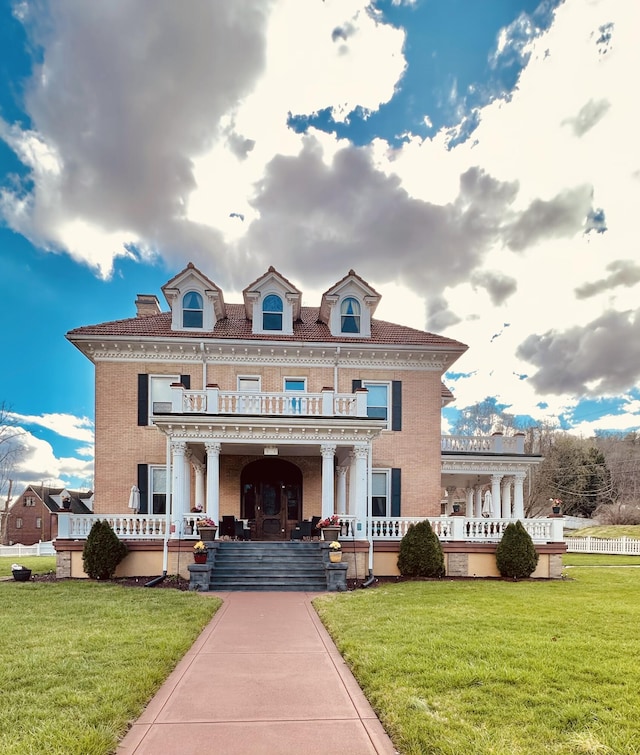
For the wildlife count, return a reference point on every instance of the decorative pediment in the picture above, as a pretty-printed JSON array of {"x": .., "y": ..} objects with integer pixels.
[
  {"x": 348, "y": 306},
  {"x": 196, "y": 302},
  {"x": 272, "y": 303}
]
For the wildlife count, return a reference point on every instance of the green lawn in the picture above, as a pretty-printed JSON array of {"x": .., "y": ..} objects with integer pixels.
[
  {"x": 79, "y": 659},
  {"x": 37, "y": 564},
  {"x": 607, "y": 531},
  {"x": 507, "y": 668}
]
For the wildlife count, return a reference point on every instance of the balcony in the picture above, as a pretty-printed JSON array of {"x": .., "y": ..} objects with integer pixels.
[{"x": 213, "y": 401}]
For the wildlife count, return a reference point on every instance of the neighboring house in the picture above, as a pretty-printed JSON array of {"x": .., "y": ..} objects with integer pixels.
[
  {"x": 33, "y": 516},
  {"x": 274, "y": 412}
]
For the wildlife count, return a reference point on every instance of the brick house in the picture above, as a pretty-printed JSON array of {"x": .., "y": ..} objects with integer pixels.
[
  {"x": 273, "y": 412},
  {"x": 33, "y": 516}
]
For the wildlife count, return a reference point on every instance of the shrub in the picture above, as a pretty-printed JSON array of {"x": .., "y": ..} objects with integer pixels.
[
  {"x": 102, "y": 551},
  {"x": 516, "y": 555},
  {"x": 421, "y": 553}
]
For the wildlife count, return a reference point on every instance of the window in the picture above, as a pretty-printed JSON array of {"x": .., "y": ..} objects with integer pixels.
[
  {"x": 380, "y": 493},
  {"x": 160, "y": 393},
  {"x": 272, "y": 313},
  {"x": 29, "y": 502},
  {"x": 377, "y": 400},
  {"x": 295, "y": 385},
  {"x": 249, "y": 384},
  {"x": 385, "y": 492},
  {"x": 158, "y": 486},
  {"x": 38, "y": 522},
  {"x": 350, "y": 315},
  {"x": 192, "y": 310},
  {"x": 18, "y": 523}
]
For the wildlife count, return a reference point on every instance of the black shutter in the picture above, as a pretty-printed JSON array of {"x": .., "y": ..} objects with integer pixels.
[
  {"x": 395, "y": 491},
  {"x": 396, "y": 405},
  {"x": 143, "y": 399},
  {"x": 143, "y": 477},
  {"x": 186, "y": 381},
  {"x": 355, "y": 384}
]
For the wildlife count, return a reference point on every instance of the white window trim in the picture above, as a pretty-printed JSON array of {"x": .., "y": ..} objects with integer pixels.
[
  {"x": 388, "y": 384},
  {"x": 152, "y": 378},
  {"x": 387, "y": 472},
  {"x": 184, "y": 309},
  {"x": 150, "y": 472},
  {"x": 254, "y": 378}
]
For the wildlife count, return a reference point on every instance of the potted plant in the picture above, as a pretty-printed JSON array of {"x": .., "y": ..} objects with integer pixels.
[
  {"x": 335, "y": 552},
  {"x": 20, "y": 573},
  {"x": 200, "y": 552},
  {"x": 555, "y": 504},
  {"x": 331, "y": 529},
  {"x": 207, "y": 528}
]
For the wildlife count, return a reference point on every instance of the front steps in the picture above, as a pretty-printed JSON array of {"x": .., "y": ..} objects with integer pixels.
[{"x": 268, "y": 566}]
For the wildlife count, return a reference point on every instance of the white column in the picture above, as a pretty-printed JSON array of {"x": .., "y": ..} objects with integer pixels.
[
  {"x": 178, "y": 448},
  {"x": 518, "y": 496},
  {"x": 469, "y": 498},
  {"x": 351, "y": 508},
  {"x": 506, "y": 497},
  {"x": 478, "y": 507},
  {"x": 187, "y": 481},
  {"x": 361, "y": 454},
  {"x": 199, "y": 471},
  {"x": 495, "y": 495},
  {"x": 212, "y": 506},
  {"x": 342, "y": 490},
  {"x": 328, "y": 451}
]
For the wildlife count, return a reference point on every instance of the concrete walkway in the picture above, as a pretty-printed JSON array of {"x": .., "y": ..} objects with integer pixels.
[{"x": 263, "y": 678}]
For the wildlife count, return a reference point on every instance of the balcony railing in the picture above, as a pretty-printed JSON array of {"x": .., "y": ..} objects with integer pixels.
[
  {"x": 328, "y": 403},
  {"x": 492, "y": 444}
]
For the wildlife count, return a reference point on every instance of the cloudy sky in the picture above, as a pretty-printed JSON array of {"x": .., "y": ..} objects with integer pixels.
[{"x": 477, "y": 163}]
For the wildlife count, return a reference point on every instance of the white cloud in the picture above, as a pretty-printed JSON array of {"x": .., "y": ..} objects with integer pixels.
[{"x": 66, "y": 425}]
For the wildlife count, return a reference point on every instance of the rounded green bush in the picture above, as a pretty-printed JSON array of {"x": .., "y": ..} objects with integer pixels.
[
  {"x": 516, "y": 556},
  {"x": 421, "y": 553},
  {"x": 102, "y": 551}
]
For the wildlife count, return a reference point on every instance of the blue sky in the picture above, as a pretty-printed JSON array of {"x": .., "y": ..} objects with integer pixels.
[{"x": 477, "y": 163}]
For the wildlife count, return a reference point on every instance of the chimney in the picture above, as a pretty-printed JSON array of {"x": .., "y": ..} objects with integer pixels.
[{"x": 147, "y": 305}]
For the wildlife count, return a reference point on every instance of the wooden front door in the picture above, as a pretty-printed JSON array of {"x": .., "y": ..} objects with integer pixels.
[{"x": 271, "y": 492}]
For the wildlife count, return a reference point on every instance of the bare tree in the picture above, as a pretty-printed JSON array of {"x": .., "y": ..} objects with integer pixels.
[{"x": 12, "y": 451}]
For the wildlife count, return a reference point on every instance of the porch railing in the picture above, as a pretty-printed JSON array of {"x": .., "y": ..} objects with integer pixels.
[
  {"x": 380, "y": 529},
  {"x": 214, "y": 401},
  {"x": 496, "y": 443}
]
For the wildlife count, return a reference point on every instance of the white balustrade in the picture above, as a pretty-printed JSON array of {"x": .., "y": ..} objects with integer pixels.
[{"x": 126, "y": 526}]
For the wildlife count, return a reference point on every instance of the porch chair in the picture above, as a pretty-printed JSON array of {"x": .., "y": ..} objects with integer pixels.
[
  {"x": 242, "y": 532},
  {"x": 315, "y": 531},
  {"x": 227, "y": 527}
]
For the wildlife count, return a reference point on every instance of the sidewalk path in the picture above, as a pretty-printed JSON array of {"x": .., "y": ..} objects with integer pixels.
[{"x": 263, "y": 678}]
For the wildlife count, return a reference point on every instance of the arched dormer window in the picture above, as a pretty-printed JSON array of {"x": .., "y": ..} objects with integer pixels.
[
  {"x": 350, "y": 315},
  {"x": 192, "y": 310},
  {"x": 272, "y": 312}
]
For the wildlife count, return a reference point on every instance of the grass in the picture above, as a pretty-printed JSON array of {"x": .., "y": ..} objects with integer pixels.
[
  {"x": 607, "y": 531},
  {"x": 79, "y": 660},
  {"x": 507, "y": 668},
  {"x": 599, "y": 559},
  {"x": 37, "y": 564}
]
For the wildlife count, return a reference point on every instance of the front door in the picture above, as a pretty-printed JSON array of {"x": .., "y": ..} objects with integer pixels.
[{"x": 271, "y": 492}]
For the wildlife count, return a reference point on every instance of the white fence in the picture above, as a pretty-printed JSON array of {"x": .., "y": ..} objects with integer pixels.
[
  {"x": 39, "y": 549},
  {"x": 621, "y": 546}
]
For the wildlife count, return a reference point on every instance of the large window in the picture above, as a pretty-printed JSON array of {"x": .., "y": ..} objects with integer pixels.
[
  {"x": 350, "y": 315},
  {"x": 295, "y": 385},
  {"x": 380, "y": 493},
  {"x": 272, "y": 312},
  {"x": 192, "y": 310},
  {"x": 158, "y": 487},
  {"x": 377, "y": 400}
]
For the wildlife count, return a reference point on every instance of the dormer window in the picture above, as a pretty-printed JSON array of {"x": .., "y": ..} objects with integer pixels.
[
  {"x": 272, "y": 312},
  {"x": 350, "y": 315},
  {"x": 192, "y": 310}
]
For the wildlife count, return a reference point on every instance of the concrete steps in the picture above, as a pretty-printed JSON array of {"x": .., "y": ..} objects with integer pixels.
[{"x": 268, "y": 566}]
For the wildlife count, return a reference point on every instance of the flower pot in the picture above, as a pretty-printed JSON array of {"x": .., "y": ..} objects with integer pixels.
[
  {"x": 331, "y": 533},
  {"x": 200, "y": 558},
  {"x": 207, "y": 533},
  {"x": 335, "y": 557},
  {"x": 21, "y": 575}
]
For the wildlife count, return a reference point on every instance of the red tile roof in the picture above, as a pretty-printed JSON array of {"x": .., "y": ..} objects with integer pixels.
[{"x": 236, "y": 326}]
